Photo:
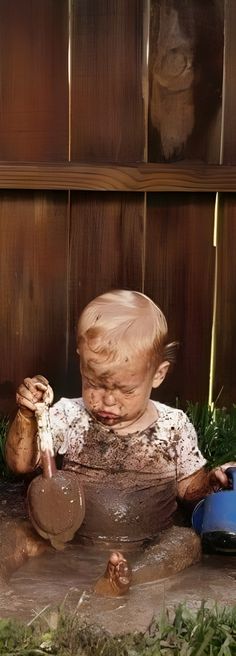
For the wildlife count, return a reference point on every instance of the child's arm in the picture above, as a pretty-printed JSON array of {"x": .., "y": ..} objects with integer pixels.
[
  {"x": 196, "y": 485},
  {"x": 203, "y": 482},
  {"x": 21, "y": 451}
]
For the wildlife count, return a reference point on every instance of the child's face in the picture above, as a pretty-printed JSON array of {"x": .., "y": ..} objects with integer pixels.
[{"x": 115, "y": 395}]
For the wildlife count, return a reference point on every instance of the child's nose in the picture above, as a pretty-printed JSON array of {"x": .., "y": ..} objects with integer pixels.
[{"x": 108, "y": 397}]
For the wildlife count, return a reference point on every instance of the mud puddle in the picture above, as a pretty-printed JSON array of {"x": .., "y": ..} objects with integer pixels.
[
  {"x": 54, "y": 576},
  {"x": 68, "y": 577}
]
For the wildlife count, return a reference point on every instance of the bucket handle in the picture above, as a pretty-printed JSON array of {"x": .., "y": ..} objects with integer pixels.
[{"x": 231, "y": 473}]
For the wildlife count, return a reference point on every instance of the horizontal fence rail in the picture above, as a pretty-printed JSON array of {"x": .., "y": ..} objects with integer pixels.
[{"x": 135, "y": 177}]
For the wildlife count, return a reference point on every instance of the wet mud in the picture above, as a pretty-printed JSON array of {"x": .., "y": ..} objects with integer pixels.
[
  {"x": 159, "y": 575},
  {"x": 177, "y": 547},
  {"x": 18, "y": 542},
  {"x": 18, "y": 539}
]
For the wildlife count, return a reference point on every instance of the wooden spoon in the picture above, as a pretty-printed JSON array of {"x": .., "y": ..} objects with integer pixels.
[{"x": 55, "y": 498}]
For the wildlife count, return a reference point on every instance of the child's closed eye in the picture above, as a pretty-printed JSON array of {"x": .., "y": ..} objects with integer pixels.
[{"x": 90, "y": 383}]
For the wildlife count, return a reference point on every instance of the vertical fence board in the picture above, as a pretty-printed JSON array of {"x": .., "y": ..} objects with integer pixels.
[
  {"x": 225, "y": 360},
  {"x": 33, "y": 266},
  {"x": 229, "y": 127},
  {"x": 179, "y": 277},
  {"x": 108, "y": 235},
  {"x": 107, "y": 105},
  {"x": 106, "y": 252},
  {"x": 225, "y": 363},
  {"x": 185, "y": 64},
  {"x": 34, "y": 87}
]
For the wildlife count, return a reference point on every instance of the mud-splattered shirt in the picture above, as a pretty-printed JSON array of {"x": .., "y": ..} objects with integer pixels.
[{"x": 130, "y": 481}]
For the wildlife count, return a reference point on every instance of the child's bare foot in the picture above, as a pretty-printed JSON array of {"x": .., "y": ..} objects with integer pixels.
[{"x": 117, "y": 577}]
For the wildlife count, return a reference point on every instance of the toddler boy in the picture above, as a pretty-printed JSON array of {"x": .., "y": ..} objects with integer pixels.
[{"x": 134, "y": 456}]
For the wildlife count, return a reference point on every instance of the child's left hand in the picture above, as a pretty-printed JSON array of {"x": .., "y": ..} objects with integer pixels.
[{"x": 218, "y": 474}]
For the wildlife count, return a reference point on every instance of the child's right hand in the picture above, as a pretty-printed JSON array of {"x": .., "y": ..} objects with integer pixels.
[{"x": 31, "y": 391}]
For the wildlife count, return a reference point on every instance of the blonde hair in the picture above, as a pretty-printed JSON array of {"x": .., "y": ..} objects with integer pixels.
[{"x": 122, "y": 323}]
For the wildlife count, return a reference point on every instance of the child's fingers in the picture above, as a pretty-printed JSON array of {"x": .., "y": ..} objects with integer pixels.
[
  {"x": 41, "y": 379},
  {"x": 24, "y": 401},
  {"x": 40, "y": 386},
  {"x": 226, "y": 482},
  {"x": 34, "y": 387},
  {"x": 30, "y": 390},
  {"x": 34, "y": 390},
  {"x": 48, "y": 395},
  {"x": 43, "y": 385},
  {"x": 221, "y": 476}
]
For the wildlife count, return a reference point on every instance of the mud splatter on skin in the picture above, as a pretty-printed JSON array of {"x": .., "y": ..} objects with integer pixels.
[
  {"x": 202, "y": 483},
  {"x": 117, "y": 577},
  {"x": 177, "y": 548}
]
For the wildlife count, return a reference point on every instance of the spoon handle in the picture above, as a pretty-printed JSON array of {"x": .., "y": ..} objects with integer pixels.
[{"x": 45, "y": 440}]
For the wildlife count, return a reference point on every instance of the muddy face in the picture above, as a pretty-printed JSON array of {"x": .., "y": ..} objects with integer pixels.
[{"x": 116, "y": 395}]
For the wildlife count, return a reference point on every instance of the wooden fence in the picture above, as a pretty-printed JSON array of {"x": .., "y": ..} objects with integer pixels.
[{"x": 117, "y": 130}]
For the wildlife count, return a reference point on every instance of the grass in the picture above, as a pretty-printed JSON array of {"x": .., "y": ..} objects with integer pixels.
[
  {"x": 205, "y": 632},
  {"x": 216, "y": 430},
  {"x": 5, "y": 472}
]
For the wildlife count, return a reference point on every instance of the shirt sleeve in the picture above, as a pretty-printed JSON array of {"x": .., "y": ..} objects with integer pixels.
[{"x": 190, "y": 458}]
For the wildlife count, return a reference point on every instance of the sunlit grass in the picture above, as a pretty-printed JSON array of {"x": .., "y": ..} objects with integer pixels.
[{"x": 216, "y": 430}]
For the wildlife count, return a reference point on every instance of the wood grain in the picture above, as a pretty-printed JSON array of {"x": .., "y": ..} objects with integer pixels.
[
  {"x": 142, "y": 177},
  {"x": 179, "y": 277},
  {"x": 107, "y": 115},
  {"x": 34, "y": 86},
  {"x": 33, "y": 292},
  {"x": 106, "y": 251},
  {"x": 229, "y": 99},
  {"x": 225, "y": 362},
  {"x": 186, "y": 65},
  {"x": 56, "y": 254}
]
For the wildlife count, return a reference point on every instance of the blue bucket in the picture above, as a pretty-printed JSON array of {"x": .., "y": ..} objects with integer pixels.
[
  {"x": 197, "y": 517},
  {"x": 214, "y": 518}
]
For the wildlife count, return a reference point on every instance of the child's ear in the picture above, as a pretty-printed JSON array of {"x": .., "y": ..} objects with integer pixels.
[{"x": 160, "y": 374}]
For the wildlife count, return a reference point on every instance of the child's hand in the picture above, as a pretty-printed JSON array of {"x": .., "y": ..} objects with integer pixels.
[
  {"x": 203, "y": 482},
  {"x": 218, "y": 475},
  {"x": 31, "y": 391}
]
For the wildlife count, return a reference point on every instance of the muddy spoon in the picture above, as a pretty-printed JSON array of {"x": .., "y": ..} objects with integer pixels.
[{"x": 55, "y": 498}]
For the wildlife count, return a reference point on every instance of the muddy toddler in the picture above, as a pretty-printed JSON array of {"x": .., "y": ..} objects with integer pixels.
[{"x": 134, "y": 456}]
